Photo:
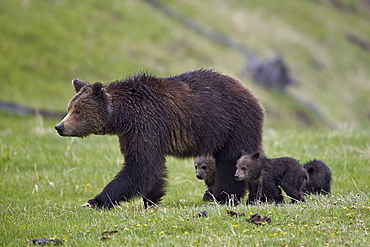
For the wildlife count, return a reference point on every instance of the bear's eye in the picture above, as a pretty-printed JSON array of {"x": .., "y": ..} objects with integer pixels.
[
  {"x": 77, "y": 111},
  {"x": 204, "y": 167},
  {"x": 244, "y": 168}
]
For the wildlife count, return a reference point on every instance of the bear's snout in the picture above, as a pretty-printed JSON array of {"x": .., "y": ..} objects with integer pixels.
[
  {"x": 60, "y": 128},
  {"x": 237, "y": 177}
]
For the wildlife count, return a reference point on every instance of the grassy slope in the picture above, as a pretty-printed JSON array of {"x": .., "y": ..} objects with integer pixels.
[{"x": 52, "y": 42}]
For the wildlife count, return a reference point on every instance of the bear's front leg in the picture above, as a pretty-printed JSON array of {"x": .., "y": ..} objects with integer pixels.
[
  {"x": 115, "y": 192},
  {"x": 140, "y": 176}
]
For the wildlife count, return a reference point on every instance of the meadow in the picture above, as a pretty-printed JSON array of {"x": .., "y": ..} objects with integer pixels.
[{"x": 46, "y": 179}]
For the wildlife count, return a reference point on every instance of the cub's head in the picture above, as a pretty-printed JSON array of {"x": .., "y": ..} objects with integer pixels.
[
  {"x": 88, "y": 111},
  {"x": 247, "y": 167},
  {"x": 204, "y": 166}
]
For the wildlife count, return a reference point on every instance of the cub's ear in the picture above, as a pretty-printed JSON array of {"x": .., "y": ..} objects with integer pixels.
[
  {"x": 256, "y": 156},
  {"x": 78, "y": 84},
  {"x": 98, "y": 89},
  {"x": 310, "y": 171}
]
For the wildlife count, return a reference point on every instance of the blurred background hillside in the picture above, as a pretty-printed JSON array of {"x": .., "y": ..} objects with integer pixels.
[{"x": 44, "y": 44}]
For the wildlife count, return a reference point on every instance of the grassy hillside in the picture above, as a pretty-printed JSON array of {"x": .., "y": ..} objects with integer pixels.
[{"x": 45, "y": 44}]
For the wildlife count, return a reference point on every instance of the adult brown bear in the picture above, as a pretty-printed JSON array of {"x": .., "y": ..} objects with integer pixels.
[{"x": 196, "y": 113}]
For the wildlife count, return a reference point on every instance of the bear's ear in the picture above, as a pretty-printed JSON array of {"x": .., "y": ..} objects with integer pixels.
[
  {"x": 97, "y": 89},
  {"x": 256, "y": 156},
  {"x": 310, "y": 171},
  {"x": 78, "y": 84}
]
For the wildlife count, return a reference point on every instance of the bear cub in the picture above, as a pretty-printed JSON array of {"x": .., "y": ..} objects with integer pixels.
[
  {"x": 205, "y": 167},
  {"x": 269, "y": 174},
  {"x": 319, "y": 177}
]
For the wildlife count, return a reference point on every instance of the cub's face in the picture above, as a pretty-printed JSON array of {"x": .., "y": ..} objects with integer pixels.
[
  {"x": 247, "y": 167},
  {"x": 201, "y": 168},
  {"x": 204, "y": 167},
  {"x": 87, "y": 111}
]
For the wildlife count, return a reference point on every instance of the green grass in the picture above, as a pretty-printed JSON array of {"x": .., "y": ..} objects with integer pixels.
[{"x": 45, "y": 179}]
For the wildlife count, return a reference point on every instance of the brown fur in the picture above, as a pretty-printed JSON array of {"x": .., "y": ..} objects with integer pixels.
[
  {"x": 205, "y": 168},
  {"x": 319, "y": 177},
  {"x": 269, "y": 174},
  {"x": 196, "y": 113}
]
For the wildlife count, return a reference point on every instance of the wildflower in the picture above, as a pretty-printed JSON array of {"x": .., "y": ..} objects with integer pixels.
[
  {"x": 161, "y": 232},
  {"x": 345, "y": 208},
  {"x": 116, "y": 226},
  {"x": 88, "y": 231},
  {"x": 186, "y": 232},
  {"x": 234, "y": 225},
  {"x": 126, "y": 229},
  {"x": 138, "y": 225},
  {"x": 175, "y": 226}
]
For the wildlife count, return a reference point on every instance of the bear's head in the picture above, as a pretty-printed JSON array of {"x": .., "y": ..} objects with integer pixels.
[
  {"x": 204, "y": 166},
  {"x": 88, "y": 111},
  {"x": 248, "y": 167}
]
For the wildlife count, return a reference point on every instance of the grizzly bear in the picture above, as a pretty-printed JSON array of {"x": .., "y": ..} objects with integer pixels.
[
  {"x": 192, "y": 114},
  {"x": 205, "y": 167},
  {"x": 319, "y": 177},
  {"x": 269, "y": 174}
]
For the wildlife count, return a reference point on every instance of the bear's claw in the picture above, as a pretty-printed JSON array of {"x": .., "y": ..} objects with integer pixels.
[{"x": 87, "y": 204}]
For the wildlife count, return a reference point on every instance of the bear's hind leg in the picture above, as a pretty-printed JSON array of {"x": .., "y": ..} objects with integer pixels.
[
  {"x": 226, "y": 189},
  {"x": 272, "y": 191},
  {"x": 294, "y": 192}
]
